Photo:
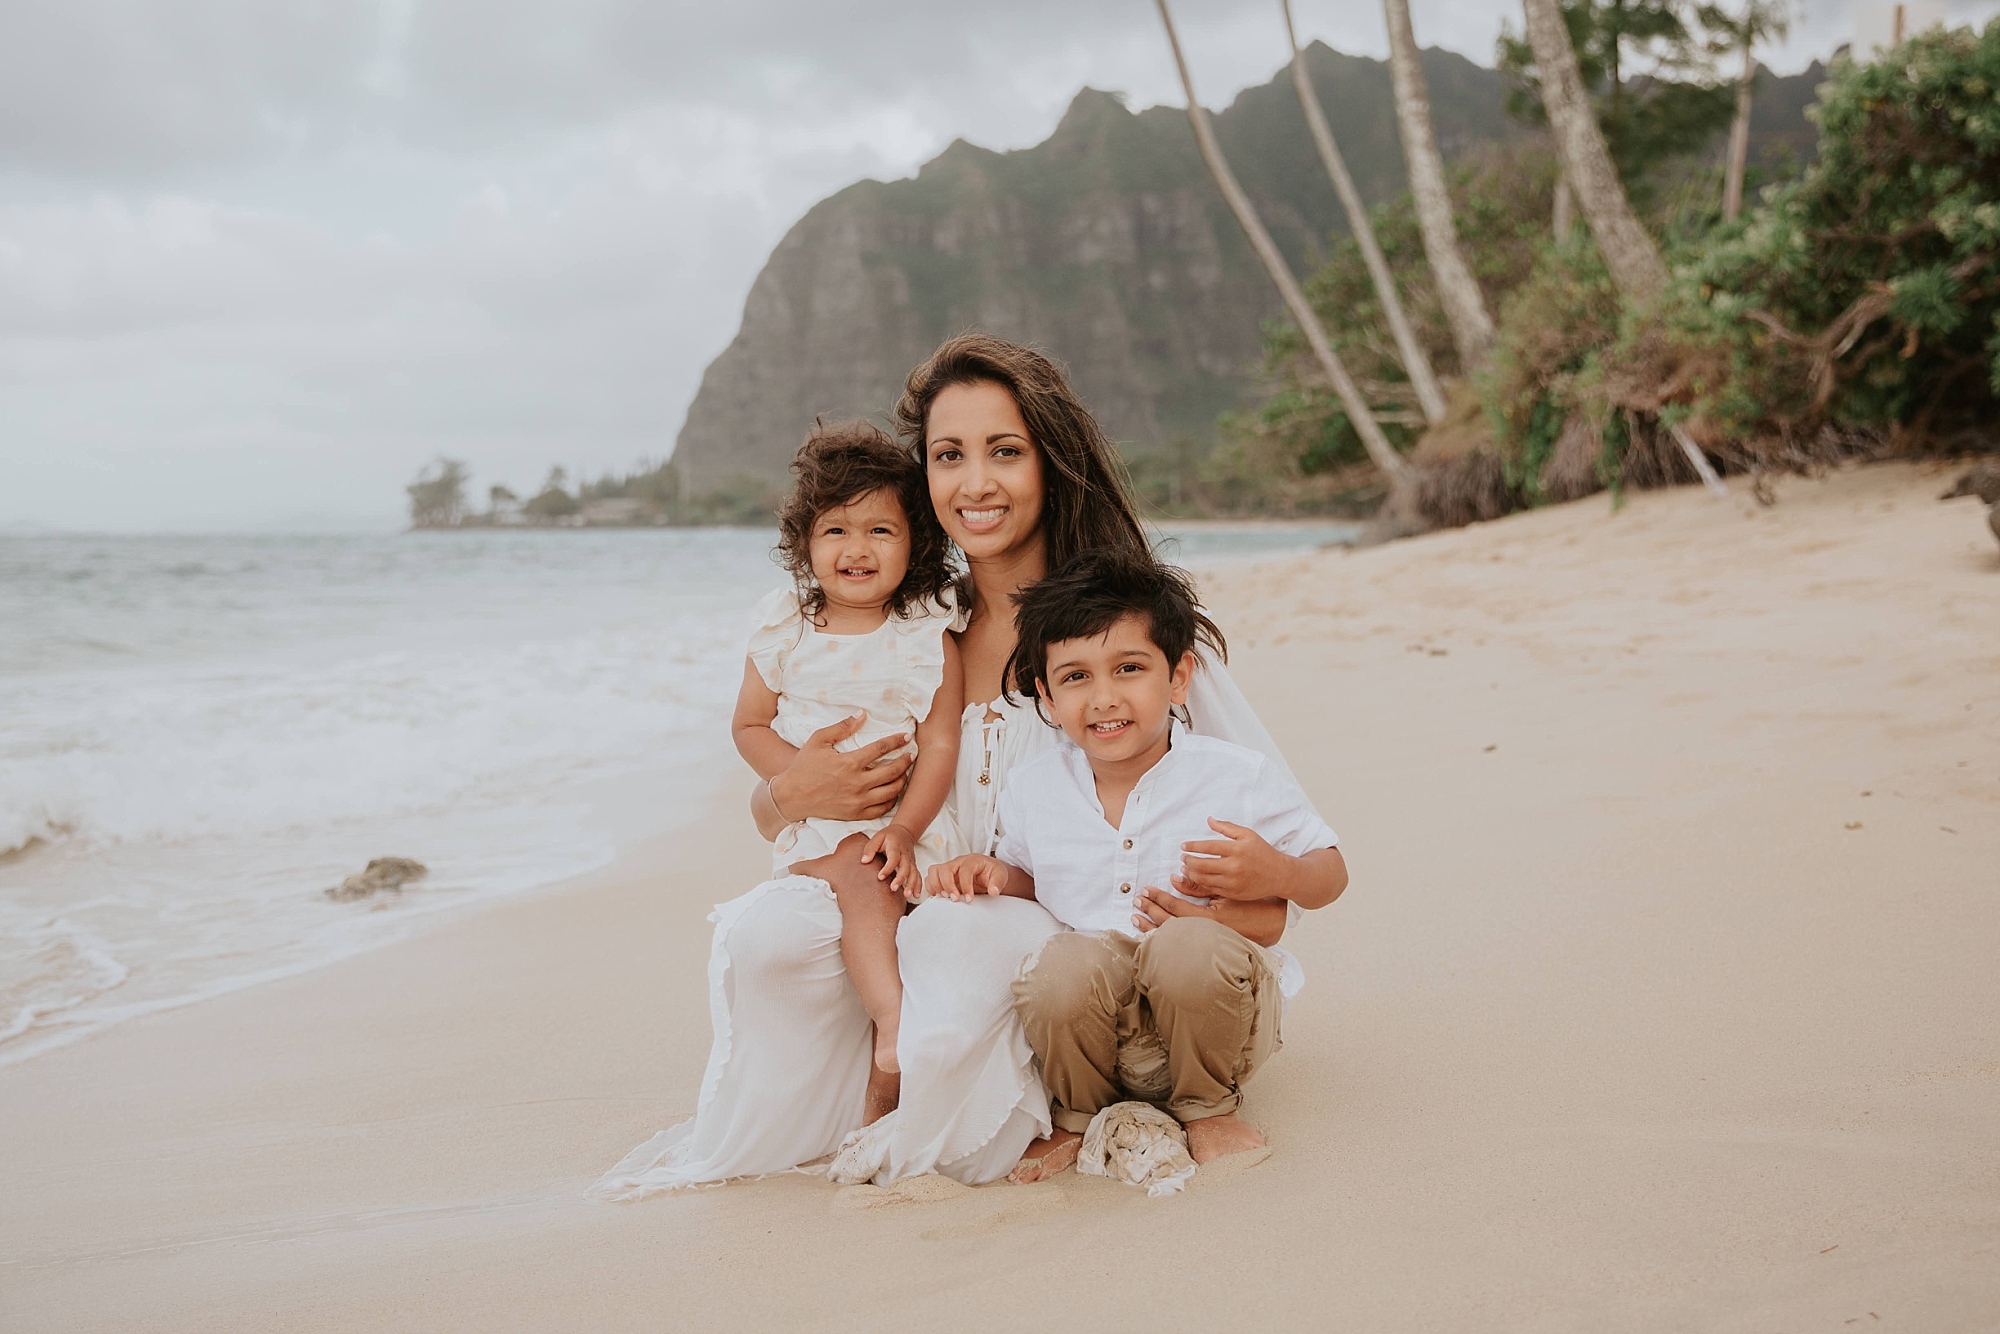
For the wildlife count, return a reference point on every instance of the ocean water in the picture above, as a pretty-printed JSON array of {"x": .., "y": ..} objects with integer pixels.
[{"x": 199, "y": 734}]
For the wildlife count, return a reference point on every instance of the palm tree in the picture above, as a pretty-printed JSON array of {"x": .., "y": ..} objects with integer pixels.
[
  {"x": 1464, "y": 304},
  {"x": 1629, "y": 253},
  {"x": 1416, "y": 362},
  {"x": 1637, "y": 270},
  {"x": 1761, "y": 18},
  {"x": 1401, "y": 478}
]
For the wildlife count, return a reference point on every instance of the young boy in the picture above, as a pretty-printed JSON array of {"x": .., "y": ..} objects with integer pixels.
[{"x": 1168, "y": 986}]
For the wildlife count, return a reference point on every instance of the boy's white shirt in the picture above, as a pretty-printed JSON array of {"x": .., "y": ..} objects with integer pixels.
[{"x": 1088, "y": 874}]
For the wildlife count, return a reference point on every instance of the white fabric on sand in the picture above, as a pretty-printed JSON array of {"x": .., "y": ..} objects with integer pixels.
[{"x": 1138, "y": 1144}]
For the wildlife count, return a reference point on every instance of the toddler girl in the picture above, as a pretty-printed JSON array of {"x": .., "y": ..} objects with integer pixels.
[{"x": 861, "y": 630}]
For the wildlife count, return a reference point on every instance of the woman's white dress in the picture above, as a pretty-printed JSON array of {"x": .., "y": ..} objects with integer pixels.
[{"x": 788, "y": 1068}]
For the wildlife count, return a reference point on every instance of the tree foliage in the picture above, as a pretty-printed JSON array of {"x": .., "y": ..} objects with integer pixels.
[
  {"x": 1867, "y": 292},
  {"x": 1856, "y": 309},
  {"x": 553, "y": 501},
  {"x": 437, "y": 497},
  {"x": 1297, "y": 451},
  {"x": 1650, "y": 69}
]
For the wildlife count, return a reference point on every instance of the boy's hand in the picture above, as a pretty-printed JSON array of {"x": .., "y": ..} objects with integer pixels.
[
  {"x": 1239, "y": 865},
  {"x": 1152, "y": 907},
  {"x": 897, "y": 847},
  {"x": 963, "y": 879}
]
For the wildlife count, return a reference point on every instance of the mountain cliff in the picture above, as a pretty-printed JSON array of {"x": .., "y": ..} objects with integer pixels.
[{"x": 1106, "y": 245}]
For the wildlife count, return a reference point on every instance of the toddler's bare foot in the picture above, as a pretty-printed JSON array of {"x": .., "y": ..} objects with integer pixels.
[
  {"x": 885, "y": 1049},
  {"x": 1047, "y": 1157},
  {"x": 885, "y": 1090},
  {"x": 1215, "y": 1137}
]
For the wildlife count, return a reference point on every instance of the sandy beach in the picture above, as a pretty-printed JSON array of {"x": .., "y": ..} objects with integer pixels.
[{"x": 1664, "y": 997}]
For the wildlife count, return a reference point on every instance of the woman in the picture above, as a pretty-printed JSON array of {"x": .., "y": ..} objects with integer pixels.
[{"x": 1021, "y": 478}]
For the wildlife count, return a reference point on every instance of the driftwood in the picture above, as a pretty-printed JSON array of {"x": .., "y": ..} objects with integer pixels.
[
  {"x": 1838, "y": 338},
  {"x": 1702, "y": 467}
]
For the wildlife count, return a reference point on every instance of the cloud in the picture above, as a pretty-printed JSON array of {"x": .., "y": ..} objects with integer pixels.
[{"x": 264, "y": 257}]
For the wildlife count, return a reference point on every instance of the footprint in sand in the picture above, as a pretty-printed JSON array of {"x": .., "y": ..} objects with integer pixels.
[
  {"x": 930, "y": 1188},
  {"x": 958, "y": 1210},
  {"x": 1234, "y": 1165}
]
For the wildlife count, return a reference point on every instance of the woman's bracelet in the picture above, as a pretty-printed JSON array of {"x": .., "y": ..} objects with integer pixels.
[{"x": 771, "y": 795}]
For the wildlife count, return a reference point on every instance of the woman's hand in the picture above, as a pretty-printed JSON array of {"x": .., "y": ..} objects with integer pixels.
[
  {"x": 1259, "y": 920},
  {"x": 827, "y": 784}
]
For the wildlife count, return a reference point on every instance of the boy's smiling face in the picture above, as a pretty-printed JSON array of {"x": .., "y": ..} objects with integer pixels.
[{"x": 1112, "y": 694}]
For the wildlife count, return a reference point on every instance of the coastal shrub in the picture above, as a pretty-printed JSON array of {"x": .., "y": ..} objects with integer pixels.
[
  {"x": 1544, "y": 369},
  {"x": 437, "y": 497},
  {"x": 1297, "y": 451},
  {"x": 553, "y": 501},
  {"x": 1293, "y": 457},
  {"x": 1860, "y": 303},
  {"x": 1853, "y": 311}
]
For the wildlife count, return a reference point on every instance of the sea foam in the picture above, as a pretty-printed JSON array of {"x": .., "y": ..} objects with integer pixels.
[{"x": 197, "y": 736}]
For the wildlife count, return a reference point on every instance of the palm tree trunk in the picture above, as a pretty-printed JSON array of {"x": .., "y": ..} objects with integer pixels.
[
  {"x": 1739, "y": 137},
  {"x": 1464, "y": 304},
  {"x": 1565, "y": 207},
  {"x": 1629, "y": 253},
  {"x": 1416, "y": 362},
  {"x": 1401, "y": 478}
]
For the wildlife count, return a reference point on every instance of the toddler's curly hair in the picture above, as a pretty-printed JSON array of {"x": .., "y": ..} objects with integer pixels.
[{"x": 837, "y": 465}]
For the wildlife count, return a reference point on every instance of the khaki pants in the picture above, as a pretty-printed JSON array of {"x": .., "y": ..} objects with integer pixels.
[{"x": 1181, "y": 1016}]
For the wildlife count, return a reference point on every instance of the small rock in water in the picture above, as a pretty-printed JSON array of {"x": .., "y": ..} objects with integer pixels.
[{"x": 390, "y": 873}]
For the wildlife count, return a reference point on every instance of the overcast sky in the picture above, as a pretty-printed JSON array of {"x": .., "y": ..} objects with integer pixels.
[{"x": 260, "y": 259}]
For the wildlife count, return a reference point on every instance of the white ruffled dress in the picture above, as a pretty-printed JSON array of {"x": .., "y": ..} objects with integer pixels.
[
  {"x": 892, "y": 673},
  {"x": 788, "y": 1069}
]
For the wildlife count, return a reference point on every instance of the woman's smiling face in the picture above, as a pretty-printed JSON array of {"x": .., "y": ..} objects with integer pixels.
[{"x": 985, "y": 473}]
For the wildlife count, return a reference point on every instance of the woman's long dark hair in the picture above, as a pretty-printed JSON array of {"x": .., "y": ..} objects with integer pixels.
[{"x": 1086, "y": 504}]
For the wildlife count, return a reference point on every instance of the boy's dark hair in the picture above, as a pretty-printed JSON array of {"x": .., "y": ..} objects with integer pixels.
[
  {"x": 837, "y": 465},
  {"x": 1089, "y": 595}
]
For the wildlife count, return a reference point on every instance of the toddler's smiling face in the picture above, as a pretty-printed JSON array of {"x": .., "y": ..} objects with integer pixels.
[{"x": 861, "y": 551}]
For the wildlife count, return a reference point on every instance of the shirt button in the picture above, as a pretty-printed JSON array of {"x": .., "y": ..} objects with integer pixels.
[
  {"x": 1124, "y": 889},
  {"x": 1128, "y": 845}
]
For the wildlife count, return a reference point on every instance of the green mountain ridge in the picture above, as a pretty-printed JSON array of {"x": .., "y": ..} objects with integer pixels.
[{"x": 1106, "y": 245}]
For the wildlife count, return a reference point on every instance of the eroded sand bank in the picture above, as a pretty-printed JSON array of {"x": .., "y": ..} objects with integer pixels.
[{"x": 1665, "y": 997}]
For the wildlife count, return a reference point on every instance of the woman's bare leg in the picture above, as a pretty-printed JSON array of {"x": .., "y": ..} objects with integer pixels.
[
  {"x": 870, "y": 912},
  {"x": 885, "y": 1090}
]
